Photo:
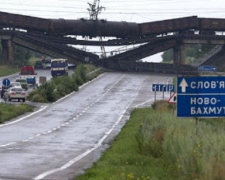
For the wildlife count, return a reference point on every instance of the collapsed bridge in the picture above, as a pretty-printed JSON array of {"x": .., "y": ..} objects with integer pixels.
[{"x": 55, "y": 37}]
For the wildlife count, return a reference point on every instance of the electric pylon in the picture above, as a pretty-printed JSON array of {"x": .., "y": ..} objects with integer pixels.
[{"x": 94, "y": 10}]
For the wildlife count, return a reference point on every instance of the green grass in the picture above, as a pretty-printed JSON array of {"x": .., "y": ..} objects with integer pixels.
[
  {"x": 9, "y": 111},
  {"x": 123, "y": 160},
  {"x": 155, "y": 144},
  {"x": 6, "y": 70}
]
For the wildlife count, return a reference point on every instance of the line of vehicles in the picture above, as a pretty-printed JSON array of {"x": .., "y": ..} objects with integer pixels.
[{"x": 18, "y": 88}]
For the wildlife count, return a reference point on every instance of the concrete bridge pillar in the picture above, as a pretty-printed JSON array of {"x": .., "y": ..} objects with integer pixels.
[
  {"x": 175, "y": 55},
  {"x": 7, "y": 50},
  {"x": 182, "y": 54},
  {"x": 179, "y": 55}
]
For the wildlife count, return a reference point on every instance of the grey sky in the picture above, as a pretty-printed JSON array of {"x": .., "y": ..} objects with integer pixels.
[{"x": 120, "y": 10}]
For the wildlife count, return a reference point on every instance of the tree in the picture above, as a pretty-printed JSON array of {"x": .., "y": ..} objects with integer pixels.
[
  {"x": 21, "y": 55},
  {"x": 167, "y": 56},
  {"x": 193, "y": 53}
]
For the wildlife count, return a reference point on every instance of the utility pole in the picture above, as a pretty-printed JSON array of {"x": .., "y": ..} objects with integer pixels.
[{"x": 94, "y": 10}]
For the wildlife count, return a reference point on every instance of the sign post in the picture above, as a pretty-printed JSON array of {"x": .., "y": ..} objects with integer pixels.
[{"x": 6, "y": 83}]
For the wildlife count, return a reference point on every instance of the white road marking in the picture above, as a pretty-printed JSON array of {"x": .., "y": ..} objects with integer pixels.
[
  {"x": 75, "y": 91},
  {"x": 26, "y": 140},
  {"x": 5, "y": 145},
  {"x": 152, "y": 99},
  {"x": 63, "y": 97},
  {"x": 71, "y": 162},
  {"x": 77, "y": 158},
  {"x": 42, "y": 108},
  {"x": 91, "y": 81},
  {"x": 21, "y": 119}
]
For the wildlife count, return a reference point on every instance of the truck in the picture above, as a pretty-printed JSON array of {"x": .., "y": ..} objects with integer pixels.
[
  {"x": 59, "y": 67},
  {"x": 28, "y": 73}
]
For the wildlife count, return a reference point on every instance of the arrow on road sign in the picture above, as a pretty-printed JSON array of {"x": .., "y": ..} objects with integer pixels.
[
  {"x": 183, "y": 85},
  {"x": 6, "y": 82}
]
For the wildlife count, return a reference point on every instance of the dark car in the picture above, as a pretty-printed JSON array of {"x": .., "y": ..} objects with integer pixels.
[
  {"x": 23, "y": 83},
  {"x": 38, "y": 65},
  {"x": 2, "y": 90}
]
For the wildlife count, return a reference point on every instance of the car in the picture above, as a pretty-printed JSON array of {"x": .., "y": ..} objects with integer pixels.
[
  {"x": 15, "y": 92},
  {"x": 13, "y": 84},
  {"x": 23, "y": 83},
  {"x": 3, "y": 89},
  {"x": 38, "y": 65},
  {"x": 46, "y": 64}
]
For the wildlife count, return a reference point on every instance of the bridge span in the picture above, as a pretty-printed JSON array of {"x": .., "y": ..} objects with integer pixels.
[{"x": 50, "y": 37}]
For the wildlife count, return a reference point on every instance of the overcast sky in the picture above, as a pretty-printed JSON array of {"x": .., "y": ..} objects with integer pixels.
[{"x": 117, "y": 10}]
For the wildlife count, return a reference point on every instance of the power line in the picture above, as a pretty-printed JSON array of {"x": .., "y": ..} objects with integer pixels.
[
  {"x": 132, "y": 8},
  {"x": 126, "y": 11}
]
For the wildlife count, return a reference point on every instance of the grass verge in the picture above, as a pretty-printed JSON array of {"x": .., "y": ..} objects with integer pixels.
[
  {"x": 9, "y": 111},
  {"x": 6, "y": 70},
  {"x": 124, "y": 161},
  {"x": 155, "y": 144}
]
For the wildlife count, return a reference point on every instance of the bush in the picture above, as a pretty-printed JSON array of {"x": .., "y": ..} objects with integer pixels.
[
  {"x": 81, "y": 71},
  {"x": 151, "y": 135},
  {"x": 59, "y": 86},
  {"x": 195, "y": 156},
  {"x": 77, "y": 79},
  {"x": 163, "y": 105},
  {"x": 49, "y": 88},
  {"x": 38, "y": 98}
]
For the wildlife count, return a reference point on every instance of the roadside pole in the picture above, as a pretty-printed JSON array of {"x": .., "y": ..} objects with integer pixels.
[
  {"x": 196, "y": 125},
  {"x": 155, "y": 96},
  {"x": 173, "y": 100}
]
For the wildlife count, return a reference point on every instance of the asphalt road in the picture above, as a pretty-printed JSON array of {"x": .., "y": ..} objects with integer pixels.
[{"x": 60, "y": 140}]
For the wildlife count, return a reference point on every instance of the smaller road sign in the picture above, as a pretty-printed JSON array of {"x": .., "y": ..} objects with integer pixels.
[
  {"x": 6, "y": 82},
  {"x": 173, "y": 98},
  {"x": 207, "y": 68},
  {"x": 163, "y": 87}
]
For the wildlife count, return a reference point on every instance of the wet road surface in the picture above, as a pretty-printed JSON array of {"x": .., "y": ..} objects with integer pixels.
[{"x": 61, "y": 139}]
